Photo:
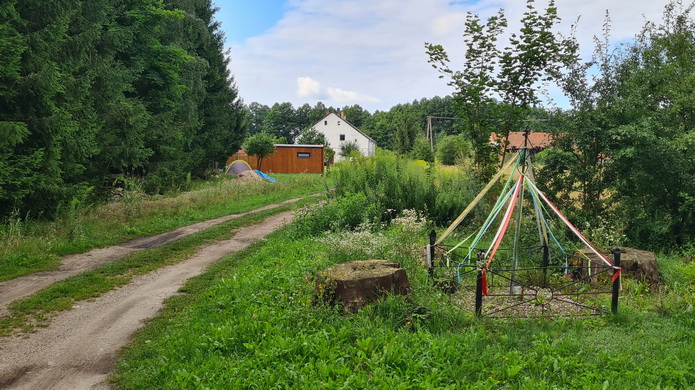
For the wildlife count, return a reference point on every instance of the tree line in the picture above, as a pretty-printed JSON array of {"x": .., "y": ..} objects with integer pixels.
[
  {"x": 103, "y": 93},
  {"x": 396, "y": 129}
]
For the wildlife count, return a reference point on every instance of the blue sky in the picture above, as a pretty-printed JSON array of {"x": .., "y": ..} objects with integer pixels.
[
  {"x": 371, "y": 52},
  {"x": 242, "y": 19}
]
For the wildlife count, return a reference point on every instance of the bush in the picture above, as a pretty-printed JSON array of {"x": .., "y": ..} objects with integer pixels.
[
  {"x": 394, "y": 184},
  {"x": 422, "y": 150},
  {"x": 344, "y": 213},
  {"x": 452, "y": 148}
]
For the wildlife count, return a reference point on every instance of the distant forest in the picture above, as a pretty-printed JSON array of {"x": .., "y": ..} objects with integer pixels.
[{"x": 101, "y": 94}]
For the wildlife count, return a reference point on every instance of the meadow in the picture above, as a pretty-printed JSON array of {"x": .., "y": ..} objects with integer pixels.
[{"x": 253, "y": 320}]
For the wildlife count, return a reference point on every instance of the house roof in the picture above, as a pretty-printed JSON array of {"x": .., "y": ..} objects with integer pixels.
[
  {"x": 297, "y": 146},
  {"x": 346, "y": 121},
  {"x": 517, "y": 140},
  {"x": 242, "y": 152}
]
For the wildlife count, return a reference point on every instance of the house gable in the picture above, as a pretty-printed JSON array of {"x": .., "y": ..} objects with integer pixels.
[{"x": 339, "y": 131}]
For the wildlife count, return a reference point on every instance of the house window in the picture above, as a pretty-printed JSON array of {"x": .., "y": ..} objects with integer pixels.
[
  {"x": 338, "y": 123},
  {"x": 325, "y": 123},
  {"x": 342, "y": 137},
  {"x": 303, "y": 155}
]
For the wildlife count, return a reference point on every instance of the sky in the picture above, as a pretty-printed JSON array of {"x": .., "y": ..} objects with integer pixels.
[{"x": 371, "y": 52}]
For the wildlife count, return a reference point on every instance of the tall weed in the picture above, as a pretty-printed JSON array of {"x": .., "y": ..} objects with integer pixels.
[{"x": 394, "y": 184}]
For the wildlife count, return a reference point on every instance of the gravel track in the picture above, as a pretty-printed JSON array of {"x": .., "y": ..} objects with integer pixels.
[
  {"x": 80, "y": 347},
  {"x": 23, "y": 286}
]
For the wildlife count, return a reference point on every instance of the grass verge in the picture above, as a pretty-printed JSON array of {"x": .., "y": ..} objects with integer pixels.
[
  {"x": 28, "y": 246},
  {"x": 252, "y": 322},
  {"x": 37, "y": 309}
]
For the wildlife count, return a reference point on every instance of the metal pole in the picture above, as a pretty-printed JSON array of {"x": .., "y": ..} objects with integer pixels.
[
  {"x": 430, "y": 134},
  {"x": 546, "y": 261},
  {"x": 479, "y": 294},
  {"x": 517, "y": 232},
  {"x": 433, "y": 238},
  {"x": 616, "y": 281}
]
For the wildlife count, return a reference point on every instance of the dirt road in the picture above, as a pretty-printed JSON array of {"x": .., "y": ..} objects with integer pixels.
[
  {"x": 79, "y": 348},
  {"x": 14, "y": 289}
]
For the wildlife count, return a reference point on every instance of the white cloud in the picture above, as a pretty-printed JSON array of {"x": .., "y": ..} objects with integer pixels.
[
  {"x": 365, "y": 49},
  {"x": 309, "y": 88},
  {"x": 350, "y": 97}
]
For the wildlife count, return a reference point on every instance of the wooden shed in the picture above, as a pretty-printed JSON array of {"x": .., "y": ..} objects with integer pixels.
[{"x": 288, "y": 158}]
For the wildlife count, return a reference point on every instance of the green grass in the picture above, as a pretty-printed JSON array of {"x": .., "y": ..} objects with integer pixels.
[
  {"x": 252, "y": 322},
  {"x": 37, "y": 309},
  {"x": 28, "y": 246}
]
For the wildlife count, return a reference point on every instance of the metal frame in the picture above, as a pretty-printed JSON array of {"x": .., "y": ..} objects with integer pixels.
[{"x": 574, "y": 290}]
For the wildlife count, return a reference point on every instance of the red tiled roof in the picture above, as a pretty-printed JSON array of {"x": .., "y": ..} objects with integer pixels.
[{"x": 517, "y": 140}]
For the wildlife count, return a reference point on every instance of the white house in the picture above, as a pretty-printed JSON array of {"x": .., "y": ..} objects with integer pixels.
[{"x": 339, "y": 131}]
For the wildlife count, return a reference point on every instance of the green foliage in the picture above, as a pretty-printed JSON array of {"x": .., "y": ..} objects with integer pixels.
[
  {"x": 475, "y": 84},
  {"x": 91, "y": 90},
  {"x": 406, "y": 133},
  {"x": 623, "y": 149},
  {"x": 343, "y": 213},
  {"x": 534, "y": 56},
  {"x": 281, "y": 122},
  {"x": 349, "y": 149},
  {"x": 260, "y": 145},
  {"x": 311, "y": 136},
  {"x": 452, "y": 148},
  {"x": 422, "y": 150},
  {"x": 392, "y": 184}
]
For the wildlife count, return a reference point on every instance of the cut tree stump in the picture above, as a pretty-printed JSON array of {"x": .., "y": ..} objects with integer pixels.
[
  {"x": 638, "y": 263},
  {"x": 641, "y": 264},
  {"x": 356, "y": 283}
]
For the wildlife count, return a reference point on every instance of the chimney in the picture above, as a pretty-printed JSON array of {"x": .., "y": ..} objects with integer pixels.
[
  {"x": 342, "y": 115},
  {"x": 327, "y": 112}
]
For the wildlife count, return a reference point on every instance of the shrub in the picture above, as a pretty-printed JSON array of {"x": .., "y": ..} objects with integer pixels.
[
  {"x": 452, "y": 148},
  {"x": 344, "y": 213},
  {"x": 349, "y": 149},
  {"x": 394, "y": 184},
  {"x": 422, "y": 150}
]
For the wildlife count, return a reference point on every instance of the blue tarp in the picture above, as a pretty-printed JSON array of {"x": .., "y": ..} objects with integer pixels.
[{"x": 263, "y": 175}]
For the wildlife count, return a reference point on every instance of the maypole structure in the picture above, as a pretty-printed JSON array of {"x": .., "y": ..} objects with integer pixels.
[{"x": 514, "y": 274}]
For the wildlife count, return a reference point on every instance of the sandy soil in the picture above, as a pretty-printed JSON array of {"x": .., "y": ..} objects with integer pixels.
[
  {"x": 79, "y": 348},
  {"x": 14, "y": 289}
]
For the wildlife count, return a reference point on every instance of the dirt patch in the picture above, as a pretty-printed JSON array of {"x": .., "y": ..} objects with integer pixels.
[
  {"x": 14, "y": 289},
  {"x": 249, "y": 176},
  {"x": 79, "y": 348}
]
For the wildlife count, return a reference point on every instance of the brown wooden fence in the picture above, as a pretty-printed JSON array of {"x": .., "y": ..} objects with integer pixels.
[{"x": 287, "y": 159}]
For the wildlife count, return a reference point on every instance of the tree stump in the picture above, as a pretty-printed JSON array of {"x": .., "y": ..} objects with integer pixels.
[
  {"x": 638, "y": 263},
  {"x": 356, "y": 283},
  {"x": 641, "y": 264}
]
